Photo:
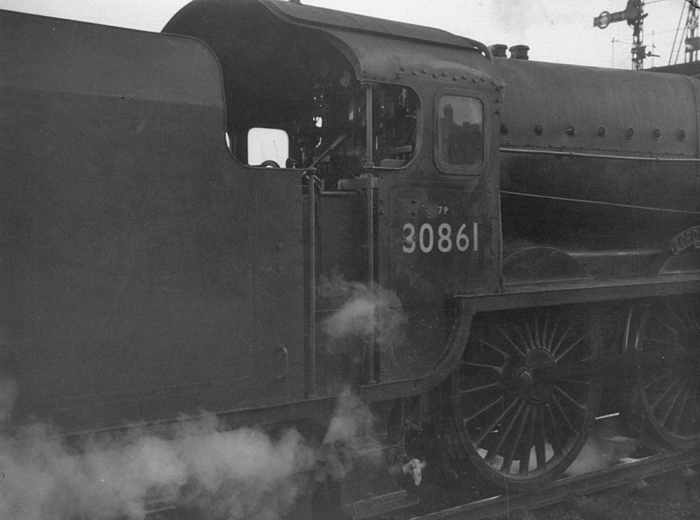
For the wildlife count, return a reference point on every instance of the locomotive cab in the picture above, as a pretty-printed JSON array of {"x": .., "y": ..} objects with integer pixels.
[
  {"x": 400, "y": 146},
  {"x": 299, "y": 92}
]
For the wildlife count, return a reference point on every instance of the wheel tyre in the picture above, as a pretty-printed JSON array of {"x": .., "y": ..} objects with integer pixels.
[
  {"x": 667, "y": 393},
  {"x": 527, "y": 393}
]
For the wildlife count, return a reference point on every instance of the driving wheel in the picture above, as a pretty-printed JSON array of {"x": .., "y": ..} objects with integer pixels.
[
  {"x": 668, "y": 386},
  {"x": 525, "y": 395}
]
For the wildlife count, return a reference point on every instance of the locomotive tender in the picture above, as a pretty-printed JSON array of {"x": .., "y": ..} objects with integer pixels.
[{"x": 536, "y": 223}]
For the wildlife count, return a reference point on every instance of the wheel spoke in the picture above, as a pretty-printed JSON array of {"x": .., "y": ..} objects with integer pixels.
[
  {"x": 483, "y": 409},
  {"x": 550, "y": 341},
  {"x": 497, "y": 384},
  {"x": 555, "y": 440},
  {"x": 518, "y": 425},
  {"x": 669, "y": 398},
  {"x": 689, "y": 388},
  {"x": 668, "y": 326},
  {"x": 573, "y": 401},
  {"x": 498, "y": 419},
  {"x": 561, "y": 340},
  {"x": 526, "y": 449},
  {"x": 694, "y": 320},
  {"x": 504, "y": 433},
  {"x": 557, "y": 406},
  {"x": 654, "y": 381},
  {"x": 668, "y": 389},
  {"x": 508, "y": 459},
  {"x": 508, "y": 338},
  {"x": 494, "y": 347},
  {"x": 669, "y": 407},
  {"x": 682, "y": 320},
  {"x": 482, "y": 365},
  {"x": 571, "y": 379},
  {"x": 560, "y": 357},
  {"x": 529, "y": 343},
  {"x": 536, "y": 338},
  {"x": 540, "y": 451}
]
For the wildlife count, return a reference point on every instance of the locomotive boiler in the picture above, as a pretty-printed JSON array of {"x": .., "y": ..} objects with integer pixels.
[{"x": 184, "y": 215}]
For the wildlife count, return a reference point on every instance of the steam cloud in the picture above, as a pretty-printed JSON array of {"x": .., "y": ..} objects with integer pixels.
[
  {"x": 350, "y": 437},
  {"x": 361, "y": 313},
  {"x": 604, "y": 447},
  {"x": 196, "y": 463}
]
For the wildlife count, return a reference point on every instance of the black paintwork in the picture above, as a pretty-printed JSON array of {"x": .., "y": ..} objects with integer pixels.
[{"x": 149, "y": 271}]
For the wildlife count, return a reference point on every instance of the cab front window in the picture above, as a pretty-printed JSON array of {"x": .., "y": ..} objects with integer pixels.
[{"x": 460, "y": 134}]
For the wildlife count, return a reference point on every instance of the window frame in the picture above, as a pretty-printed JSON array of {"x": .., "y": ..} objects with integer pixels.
[
  {"x": 420, "y": 114},
  {"x": 466, "y": 169},
  {"x": 248, "y": 147}
]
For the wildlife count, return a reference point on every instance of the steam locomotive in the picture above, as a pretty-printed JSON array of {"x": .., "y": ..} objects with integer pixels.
[{"x": 183, "y": 213}]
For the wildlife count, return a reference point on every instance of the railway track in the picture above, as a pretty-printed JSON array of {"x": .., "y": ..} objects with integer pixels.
[
  {"x": 513, "y": 504},
  {"x": 505, "y": 506}
]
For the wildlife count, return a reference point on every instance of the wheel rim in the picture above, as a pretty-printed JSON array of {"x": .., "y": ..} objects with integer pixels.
[
  {"x": 670, "y": 389},
  {"x": 521, "y": 417}
]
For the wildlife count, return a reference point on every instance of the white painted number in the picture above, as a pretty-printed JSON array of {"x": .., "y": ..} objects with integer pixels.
[
  {"x": 444, "y": 238},
  {"x": 445, "y": 242},
  {"x": 409, "y": 241},
  {"x": 462, "y": 239},
  {"x": 426, "y": 245}
]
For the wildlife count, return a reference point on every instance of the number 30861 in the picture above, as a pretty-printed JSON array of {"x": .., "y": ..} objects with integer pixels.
[{"x": 443, "y": 238}]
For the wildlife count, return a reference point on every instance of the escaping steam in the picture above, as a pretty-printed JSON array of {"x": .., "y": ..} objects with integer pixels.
[
  {"x": 351, "y": 437},
  {"x": 196, "y": 463},
  {"x": 361, "y": 313},
  {"x": 604, "y": 447},
  {"x": 199, "y": 463}
]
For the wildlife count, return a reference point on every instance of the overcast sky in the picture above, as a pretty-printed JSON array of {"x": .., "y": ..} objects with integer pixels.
[{"x": 556, "y": 30}]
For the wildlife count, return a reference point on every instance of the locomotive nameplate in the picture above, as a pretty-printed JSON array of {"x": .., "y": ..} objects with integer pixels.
[{"x": 688, "y": 238}]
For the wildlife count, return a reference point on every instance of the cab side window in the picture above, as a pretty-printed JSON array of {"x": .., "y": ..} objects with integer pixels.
[
  {"x": 460, "y": 134},
  {"x": 268, "y": 147}
]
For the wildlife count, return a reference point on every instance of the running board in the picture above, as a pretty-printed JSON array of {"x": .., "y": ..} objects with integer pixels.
[{"x": 521, "y": 295}]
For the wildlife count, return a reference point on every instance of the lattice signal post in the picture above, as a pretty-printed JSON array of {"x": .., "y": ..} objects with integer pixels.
[{"x": 634, "y": 16}]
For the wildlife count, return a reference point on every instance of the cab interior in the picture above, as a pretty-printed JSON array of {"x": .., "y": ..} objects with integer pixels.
[{"x": 295, "y": 102}]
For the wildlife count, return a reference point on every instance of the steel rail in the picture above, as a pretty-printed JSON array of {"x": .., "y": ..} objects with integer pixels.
[{"x": 503, "y": 506}]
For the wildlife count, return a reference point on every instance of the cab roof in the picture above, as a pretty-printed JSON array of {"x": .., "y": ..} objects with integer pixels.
[
  {"x": 321, "y": 17},
  {"x": 233, "y": 25}
]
